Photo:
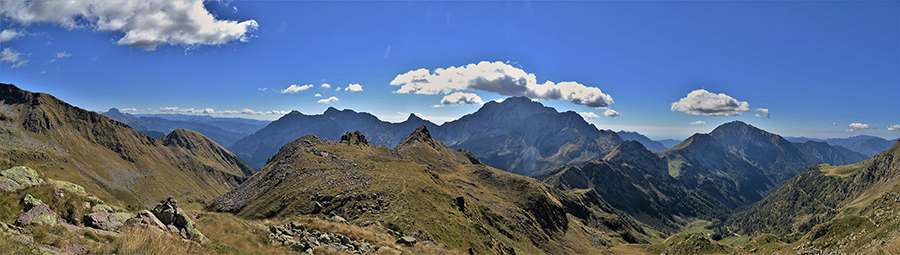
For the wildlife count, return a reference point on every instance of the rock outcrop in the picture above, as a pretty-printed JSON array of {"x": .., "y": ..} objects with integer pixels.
[
  {"x": 295, "y": 235},
  {"x": 19, "y": 177},
  {"x": 176, "y": 221},
  {"x": 40, "y": 214},
  {"x": 106, "y": 220}
]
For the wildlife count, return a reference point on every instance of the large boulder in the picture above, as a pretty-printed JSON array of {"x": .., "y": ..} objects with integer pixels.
[
  {"x": 68, "y": 186},
  {"x": 176, "y": 221},
  {"x": 19, "y": 177},
  {"x": 106, "y": 220},
  {"x": 41, "y": 214}
]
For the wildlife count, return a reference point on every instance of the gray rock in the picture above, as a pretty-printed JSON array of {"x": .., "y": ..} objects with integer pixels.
[
  {"x": 407, "y": 240},
  {"x": 19, "y": 177},
  {"x": 39, "y": 215},
  {"x": 106, "y": 221}
]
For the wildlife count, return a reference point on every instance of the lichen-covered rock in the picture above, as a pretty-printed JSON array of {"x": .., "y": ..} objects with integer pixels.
[
  {"x": 295, "y": 236},
  {"x": 68, "y": 186},
  {"x": 106, "y": 221},
  {"x": 146, "y": 219},
  {"x": 19, "y": 177},
  {"x": 30, "y": 202},
  {"x": 39, "y": 215},
  {"x": 407, "y": 240}
]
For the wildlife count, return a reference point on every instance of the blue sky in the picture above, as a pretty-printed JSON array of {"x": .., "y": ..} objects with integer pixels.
[{"x": 816, "y": 66}]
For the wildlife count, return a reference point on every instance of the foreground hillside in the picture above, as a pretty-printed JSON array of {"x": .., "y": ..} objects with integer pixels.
[
  {"x": 425, "y": 190},
  {"x": 847, "y": 208},
  {"x": 108, "y": 158}
]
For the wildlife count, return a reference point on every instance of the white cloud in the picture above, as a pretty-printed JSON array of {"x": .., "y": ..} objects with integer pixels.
[
  {"x": 146, "y": 24},
  {"x": 711, "y": 104},
  {"x": 894, "y": 127},
  {"x": 317, "y": 95},
  {"x": 699, "y": 122},
  {"x": 337, "y": 89},
  {"x": 611, "y": 113},
  {"x": 60, "y": 55},
  {"x": 326, "y": 85},
  {"x": 460, "y": 98},
  {"x": 497, "y": 77},
  {"x": 834, "y": 123},
  {"x": 353, "y": 88},
  {"x": 588, "y": 115},
  {"x": 327, "y": 100},
  {"x": 129, "y": 110},
  {"x": 859, "y": 126},
  {"x": 9, "y": 34},
  {"x": 764, "y": 111},
  {"x": 294, "y": 89},
  {"x": 14, "y": 57}
]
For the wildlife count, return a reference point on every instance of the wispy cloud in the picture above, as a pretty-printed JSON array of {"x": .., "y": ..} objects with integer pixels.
[
  {"x": 894, "y": 127},
  {"x": 60, "y": 55},
  {"x": 328, "y": 100},
  {"x": 764, "y": 111},
  {"x": 16, "y": 58},
  {"x": 699, "y": 122},
  {"x": 9, "y": 34},
  {"x": 460, "y": 98},
  {"x": 294, "y": 89}
]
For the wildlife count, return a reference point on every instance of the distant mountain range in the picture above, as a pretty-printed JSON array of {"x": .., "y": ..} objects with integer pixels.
[
  {"x": 517, "y": 135},
  {"x": 225, "y": 131},
  {"x": 649, "y": 144},
  {"x": 864, "y": 144},
  {"x": 107, "y": 157}
]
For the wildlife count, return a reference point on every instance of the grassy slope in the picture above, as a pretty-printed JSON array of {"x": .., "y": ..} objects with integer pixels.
[
  {"x": 503, "y": 212},
  {"x": 108, "y": 158}
]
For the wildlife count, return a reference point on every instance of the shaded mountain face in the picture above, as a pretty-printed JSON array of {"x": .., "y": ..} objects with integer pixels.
[
  {"x": 522, "y": 136},
  {"x": 864, "y": 144},
  {"x": 331, "y": 125},
  {"x": 517, "y": 135},
  {"x": 829, "y": 204},
  {"x": 636, "y": 181},
  {"x": 107, "y": 157},
  {"x": 225, "y": 131},
  {"x": 421, "y": 186},
  {"x": 831, "y": 154},
  {"x": 649, "y": 144},
  {"x": 737, "y": 163}
]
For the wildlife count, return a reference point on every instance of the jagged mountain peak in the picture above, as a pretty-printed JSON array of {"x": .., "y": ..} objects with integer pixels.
[
  {"x": 413, "y": 117},
  {"x": 355, "y": 138},
  {"x": 420, "y": 135}
]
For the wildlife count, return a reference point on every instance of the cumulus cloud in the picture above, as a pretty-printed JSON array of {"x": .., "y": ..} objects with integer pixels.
[
  {"x": 210, "y": 111},
  {"x": 460, "y": 98},
  {"x": 317, "y": 95},
  {"x": 497, "y": 77},
  {"x": 326, "y": 85},
  {"x": 894, "y": 127},
  {"x": 60, "y": 55},
  {"x": 248, "y": 111},
  {"x": 9, "y": 34},
  {"x": 588, "y": 115},
  {"x": 353, "y": 88},
  {"x": 146, "y": 24},
  {"x": 764, "y": 113},
  {"x": 176, "y": 109},
  {"x": 294, "y": 88},
  {"x": 699, "y": 122},
  {"x": 711, "y": 104},
  {"x": 129, "y": 110},
  {"x": 327, "y": 100},
  {"x": 611, "y": 113},
  {"x": 860, "y": 126},
  {"x": 14, "y": 57}
]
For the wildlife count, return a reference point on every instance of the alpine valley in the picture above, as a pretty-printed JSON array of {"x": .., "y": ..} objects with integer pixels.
[{"x": 513, "y": 177}]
